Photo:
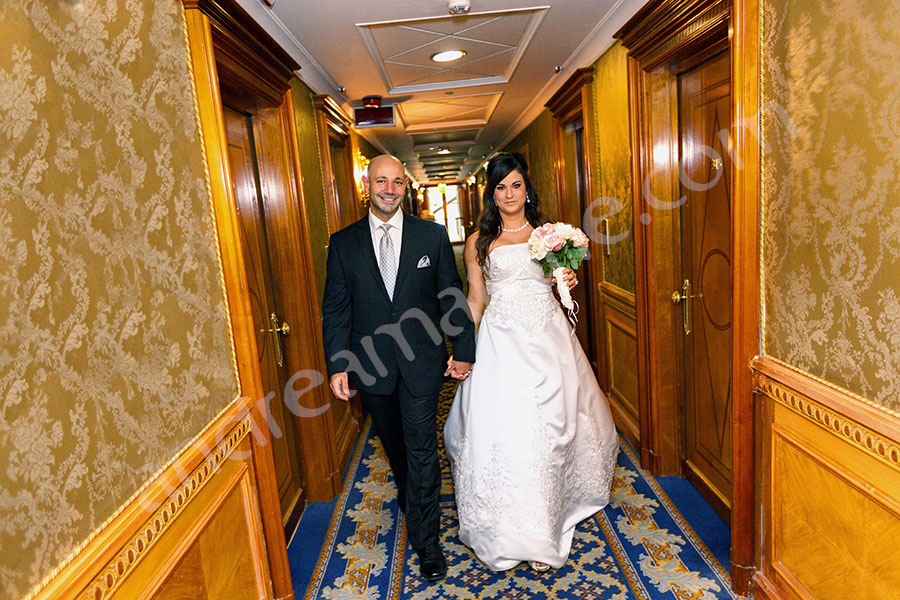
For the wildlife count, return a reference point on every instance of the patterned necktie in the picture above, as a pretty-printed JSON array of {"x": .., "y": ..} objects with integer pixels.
[{"x": 386, "y": 260}]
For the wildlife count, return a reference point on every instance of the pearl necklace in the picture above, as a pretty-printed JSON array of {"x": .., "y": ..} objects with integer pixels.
[{"x": 516, "y": 229}]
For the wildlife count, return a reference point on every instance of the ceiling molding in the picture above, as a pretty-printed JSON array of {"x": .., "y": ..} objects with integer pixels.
[
  {"x": 314, "y": 75},
  {"x": 465, "y": 33}
]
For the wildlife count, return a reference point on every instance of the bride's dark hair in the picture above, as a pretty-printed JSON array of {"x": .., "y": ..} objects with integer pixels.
[{"x": 489, "y": 222}]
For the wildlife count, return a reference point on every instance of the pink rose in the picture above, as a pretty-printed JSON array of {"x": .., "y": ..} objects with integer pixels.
[
  {"x": 579, "y": 239},
  {"x": 552, "y": 240}
]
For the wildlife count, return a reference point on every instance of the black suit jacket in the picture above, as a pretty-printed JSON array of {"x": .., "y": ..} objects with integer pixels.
[{"x": 376, "y": 339}]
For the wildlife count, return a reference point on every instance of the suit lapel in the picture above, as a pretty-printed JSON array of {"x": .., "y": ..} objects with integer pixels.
[
  {"x": 408, "y": 253},
  {"x": 364, "y": 234}
]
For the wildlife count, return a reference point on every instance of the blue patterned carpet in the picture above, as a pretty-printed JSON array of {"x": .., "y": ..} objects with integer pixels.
[{"x": 639, "y": 547}]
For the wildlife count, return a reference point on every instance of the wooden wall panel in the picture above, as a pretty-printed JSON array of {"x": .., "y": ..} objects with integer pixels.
[
  {"x": 831, "y": 491},
  {"x": 211, "y": 569},
  {"x": 168, "y": 540},
  {"x": 620, "y": 360}
]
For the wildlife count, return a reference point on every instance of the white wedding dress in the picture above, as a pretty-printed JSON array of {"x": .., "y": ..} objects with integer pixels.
[{"x": 530, "y": 438}]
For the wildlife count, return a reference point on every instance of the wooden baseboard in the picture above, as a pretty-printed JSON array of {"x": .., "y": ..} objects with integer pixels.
[
  {"x": 139, "y": 550},
  {"x": 763, "y": 589},
  {"x": 709, "y": 492},
  {"x": 626, "y": 423},
  {"x": 346, "y": 441}
]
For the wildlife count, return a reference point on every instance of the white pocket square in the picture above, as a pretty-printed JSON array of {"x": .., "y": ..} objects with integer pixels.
[{"x": 424, "y": 262}]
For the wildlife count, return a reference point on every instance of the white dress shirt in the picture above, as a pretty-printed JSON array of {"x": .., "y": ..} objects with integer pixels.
[{"x": 396, "y": 233}]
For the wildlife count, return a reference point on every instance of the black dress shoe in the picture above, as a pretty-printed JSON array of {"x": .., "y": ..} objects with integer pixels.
[{"x": 432, "y": 564}]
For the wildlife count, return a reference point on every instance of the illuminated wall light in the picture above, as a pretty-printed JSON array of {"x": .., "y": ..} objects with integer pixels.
[{"x": 360, "y": 168}]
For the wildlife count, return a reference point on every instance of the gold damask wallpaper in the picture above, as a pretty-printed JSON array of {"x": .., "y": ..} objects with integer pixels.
[
  {"x": 536, "y": 143},
  {"x": 614, "y": 158},
  {"x": 114, "y": 345},
  {"x": 831, "y": 187}
]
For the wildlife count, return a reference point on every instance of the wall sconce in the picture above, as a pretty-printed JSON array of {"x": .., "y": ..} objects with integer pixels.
[{"x": 360, "y": 165}]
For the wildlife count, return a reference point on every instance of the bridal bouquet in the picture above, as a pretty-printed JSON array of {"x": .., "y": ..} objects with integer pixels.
[{"x": 556, "y": 247}]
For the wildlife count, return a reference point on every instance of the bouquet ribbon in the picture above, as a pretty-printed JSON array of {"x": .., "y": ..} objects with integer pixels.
[{"x": 565, "y": 297}]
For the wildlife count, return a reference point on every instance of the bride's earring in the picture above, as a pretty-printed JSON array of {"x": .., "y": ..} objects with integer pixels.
[{"x": 527, "y": 198}]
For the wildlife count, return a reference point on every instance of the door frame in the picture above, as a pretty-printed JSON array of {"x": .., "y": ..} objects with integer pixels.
[
  {"x": 244, "y": 57},
  {"x": 663, "y": 39},
  {"x": 224, "y": 42},
  {"x": 332, "y": 121},
  {"x": 573, "y": 100}
]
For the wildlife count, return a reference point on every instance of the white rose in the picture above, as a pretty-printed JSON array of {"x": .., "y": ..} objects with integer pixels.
[
  {"x": 565, "y": 230},
  {"x": 537, "y": 247}
]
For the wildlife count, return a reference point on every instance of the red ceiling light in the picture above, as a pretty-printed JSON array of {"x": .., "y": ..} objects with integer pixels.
[{"x": 371, "y": 101}]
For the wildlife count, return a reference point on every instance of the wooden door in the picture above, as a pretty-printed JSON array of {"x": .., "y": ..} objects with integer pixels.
[
  {"x": 243, "y": 159},
  {"x": 342, "y": 167},
  {"x": 705, "y": 108},
  {"x": 575, "y": 189}
]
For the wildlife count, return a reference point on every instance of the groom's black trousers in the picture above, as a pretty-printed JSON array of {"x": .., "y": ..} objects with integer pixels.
[{"x": 407, "y": 427}]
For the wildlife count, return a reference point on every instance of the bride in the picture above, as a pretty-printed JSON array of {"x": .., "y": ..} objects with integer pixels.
[{"x": 530, "y": 438}]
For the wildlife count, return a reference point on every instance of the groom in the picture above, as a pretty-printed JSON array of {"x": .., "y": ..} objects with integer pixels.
[{"x": 390, "y": 285}]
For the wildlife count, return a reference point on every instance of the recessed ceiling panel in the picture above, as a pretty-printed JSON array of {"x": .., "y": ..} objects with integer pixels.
[
  {"x": 449, "y": 111},
  {"x": 449, "y": 25},
  {"x": 494, "y": 42},
  {"x": 500, "y": 30},
  {"x": 411, "y": 72},
  {"x": 392, "y": 44},
  {"x": 439, "y": 137}
]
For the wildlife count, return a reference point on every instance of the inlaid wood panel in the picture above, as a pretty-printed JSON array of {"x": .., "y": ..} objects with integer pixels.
[
  {"x": 834, "y": 536},
  {"x": 831, "y": 491},
  {"x": 620, "y": 360},
  {"x": 211, "y": 569},
  {"x": 190, "y": 553}
]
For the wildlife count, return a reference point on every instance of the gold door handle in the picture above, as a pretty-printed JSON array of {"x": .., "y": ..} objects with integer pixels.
[
  {"x": 685, "y": 296},
  {"x": 606, "y": 243},
  {"x": 283, "y": 329}
]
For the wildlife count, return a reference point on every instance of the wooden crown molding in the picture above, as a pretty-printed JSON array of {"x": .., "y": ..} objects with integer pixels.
[
  {"x": 240, "y": 40},
  {"x": 840, "y": 413},
  {"x": 666, "y": 27},
  {"x": 567, "y": 98},
  {"x": 335, "y": 117}
]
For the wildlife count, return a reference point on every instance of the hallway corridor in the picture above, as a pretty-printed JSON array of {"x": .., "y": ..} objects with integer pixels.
[
  {"x": 172, "y": 173},
  {"x": 658, "y": 539}
]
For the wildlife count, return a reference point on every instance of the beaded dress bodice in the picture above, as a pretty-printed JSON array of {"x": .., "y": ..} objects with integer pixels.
[{"x": 519, "y": 293}]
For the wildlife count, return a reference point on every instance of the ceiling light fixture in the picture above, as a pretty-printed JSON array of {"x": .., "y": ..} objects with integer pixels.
[
  {"x": 444, "y": 151},
  {"x": 371, "y": 101},
  {"x": 448, "y": 55}
]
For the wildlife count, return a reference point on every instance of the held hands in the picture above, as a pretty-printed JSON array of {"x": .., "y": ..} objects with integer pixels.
[
  {"x": 569, "y": 279},
  {"x": 458, "y": 369},
  {"x": 340, "y": 386}
]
